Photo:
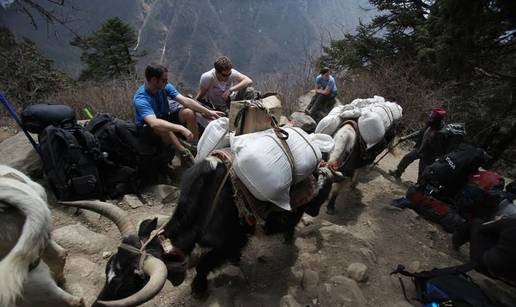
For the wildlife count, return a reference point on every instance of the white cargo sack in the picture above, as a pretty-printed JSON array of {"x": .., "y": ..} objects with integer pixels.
[
  {"x": 328, "y": 124},
  {"x": 215, "y": 136},
  {"x": 371, "y": 127},
  {"x": 261, "y": 164}
]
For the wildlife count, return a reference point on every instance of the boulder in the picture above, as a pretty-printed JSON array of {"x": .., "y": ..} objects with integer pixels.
[
  {"x": 17, "y": 152},
  {"x": 358, "y": 271},
  {"x": 341, "y": 291},
  {"x": 80, "y": 239},
  {"x": 132, "y": 201},
  {"x": 303, "y": 121},
  {"x": 84, "y": 278},
  {"x": 304, "y": 101}
]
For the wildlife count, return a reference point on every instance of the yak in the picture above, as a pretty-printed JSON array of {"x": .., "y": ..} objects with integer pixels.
[
  {"x": 26, "y": 249},
  {"x": 197, "y": 219},
  {"x": 349, "y": 156}
]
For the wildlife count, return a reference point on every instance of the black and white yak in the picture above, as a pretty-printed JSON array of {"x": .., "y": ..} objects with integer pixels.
[
  {"x": 26, "y": 249},
  {"x": 349, "y": 157},
  {"x": 194, "y": 221}
]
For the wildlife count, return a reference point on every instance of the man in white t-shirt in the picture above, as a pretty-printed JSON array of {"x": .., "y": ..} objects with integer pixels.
[{"x": 217, "y": 84}]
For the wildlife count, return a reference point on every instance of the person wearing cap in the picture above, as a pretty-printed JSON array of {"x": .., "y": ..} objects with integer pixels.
[
  {"x": 216, "y": 85},
  {"x": 325, "y": 93},
  {"x": 433, "y": 143}
]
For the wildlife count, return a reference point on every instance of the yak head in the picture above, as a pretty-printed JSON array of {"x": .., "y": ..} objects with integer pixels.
[{"x": 133, "y": 276}]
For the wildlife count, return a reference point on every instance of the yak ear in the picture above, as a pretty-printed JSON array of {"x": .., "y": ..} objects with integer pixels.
[{"x": 147, "y": 226}]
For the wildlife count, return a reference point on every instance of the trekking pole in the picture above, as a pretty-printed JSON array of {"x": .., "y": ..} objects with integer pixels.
[
  {"x": 401, "y": 140},
  {"x": 15, "y": 117}
]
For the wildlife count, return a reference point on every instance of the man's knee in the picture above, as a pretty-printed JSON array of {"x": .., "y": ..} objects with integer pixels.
[{"x": 186, "y": 115}]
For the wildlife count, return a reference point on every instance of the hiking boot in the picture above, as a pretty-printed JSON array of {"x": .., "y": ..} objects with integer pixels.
[{"x": 187, "y": 159}]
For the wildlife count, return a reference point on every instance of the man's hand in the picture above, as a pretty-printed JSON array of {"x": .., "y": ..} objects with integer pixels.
[
  {"x": 211, "y": 114},
  {"x": 226, "y": 94},
  {"x": 187, "y": 134}
]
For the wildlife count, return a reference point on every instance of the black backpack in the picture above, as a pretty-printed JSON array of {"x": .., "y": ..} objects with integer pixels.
[
  {"x": 70, "y": 158},
  {"x": 142, "y": 155},
  {"x": 447, "y": 287},
  {"x": 449, "y": 173}
]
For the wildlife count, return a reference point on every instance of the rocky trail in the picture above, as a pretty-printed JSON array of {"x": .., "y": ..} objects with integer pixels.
[{"x": 336, "y": 260}]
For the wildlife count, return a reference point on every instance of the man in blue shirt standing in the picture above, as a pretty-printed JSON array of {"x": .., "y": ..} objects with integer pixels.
[
  {"x": 152, "y": 110},
  {"x": 325, "y": 93}
]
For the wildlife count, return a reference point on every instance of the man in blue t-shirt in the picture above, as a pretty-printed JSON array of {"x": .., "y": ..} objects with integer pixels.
[
  {"x": 325, "y": 93},
  {"x": 152, "y": 110}
]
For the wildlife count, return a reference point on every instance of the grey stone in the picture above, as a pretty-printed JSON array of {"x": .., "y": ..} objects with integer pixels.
[
  {"x": 414, "y": 266},
  {"x": 84, "y": 278},
  {"x": 289, "y": 301},
  {"x": 132, "y": 201},
  {"x": 342, "y": 291},
  {"x": 333, "y": 231},
  {"x": 358, "y": 271},
  {"x": 163, "y": 193},
  {"x": 80, "y": 239},
  {"x": 310, "y": 281},
  {"x": 90, "y": 216},
  {"x": 368, "y": 254},
  {"x": 17, "y": 152},
  {"x": 304, "y": 100},
  {"x": 303, "y": 121}
]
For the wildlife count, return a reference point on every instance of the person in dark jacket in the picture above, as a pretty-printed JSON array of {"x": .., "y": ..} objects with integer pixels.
[{"x": 433, "y": 142}]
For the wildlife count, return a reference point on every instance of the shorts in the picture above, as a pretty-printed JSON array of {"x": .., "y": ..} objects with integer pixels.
[{"x": 172, "y": 117}]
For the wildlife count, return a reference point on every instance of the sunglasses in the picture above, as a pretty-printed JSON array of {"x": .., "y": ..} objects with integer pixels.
[{"x": 225, "y": 75}]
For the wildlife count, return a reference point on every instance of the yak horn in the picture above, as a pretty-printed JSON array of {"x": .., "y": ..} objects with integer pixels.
[
  {"x": 112, "y": 212},
  {"x": 157, "y": 272}
]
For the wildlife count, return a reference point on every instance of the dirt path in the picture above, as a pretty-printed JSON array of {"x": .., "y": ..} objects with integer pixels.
[{"x": 365, "y": 229}]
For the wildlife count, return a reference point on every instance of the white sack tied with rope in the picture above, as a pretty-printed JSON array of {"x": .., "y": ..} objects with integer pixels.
[
  {"x": 215, "y": 136},
  {"x": 374, "y": 116},
  {"x": 263, "y": 166}
]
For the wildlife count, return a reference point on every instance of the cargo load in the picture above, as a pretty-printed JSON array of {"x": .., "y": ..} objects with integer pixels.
[
  {"x": 374, "y": 116},
  {"x": 248, "y": 116},
  {"x": 262, "y": 161}
]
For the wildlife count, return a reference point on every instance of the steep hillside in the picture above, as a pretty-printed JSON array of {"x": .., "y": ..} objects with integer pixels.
[{"x": 262, "y": 37}]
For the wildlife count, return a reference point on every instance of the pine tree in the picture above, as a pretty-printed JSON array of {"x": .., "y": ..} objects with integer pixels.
[
  {"x": 107, "y": 52},
  {"x": 26, "y": 76}
]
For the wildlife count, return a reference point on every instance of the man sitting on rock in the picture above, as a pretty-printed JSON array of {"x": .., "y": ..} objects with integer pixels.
[
  {"x": 216, "y": 85},
  {"x": 324, "y": 98},
  {"x": 152, "y": 110}
]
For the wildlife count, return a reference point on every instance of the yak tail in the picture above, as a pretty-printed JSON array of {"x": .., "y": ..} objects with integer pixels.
[{"x": 14, "y": 267}]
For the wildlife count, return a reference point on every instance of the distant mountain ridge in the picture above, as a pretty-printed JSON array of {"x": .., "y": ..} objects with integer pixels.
[{"x": 261, "y": 37}]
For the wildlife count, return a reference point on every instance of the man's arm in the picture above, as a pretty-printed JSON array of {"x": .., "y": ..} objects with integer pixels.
[
  {"x": 243, "y": 82},
  {"x": 197, "y": 107},
  {"x": 326, "y": 90},
  {"x": 161, "y": 125},
  {"x": 201, "y": 93}
]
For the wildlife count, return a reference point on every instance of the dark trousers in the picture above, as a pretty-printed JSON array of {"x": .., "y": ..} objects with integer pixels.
[
  {"x": 406, "y": 161},
  {"x": 320, "y": 106}
]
